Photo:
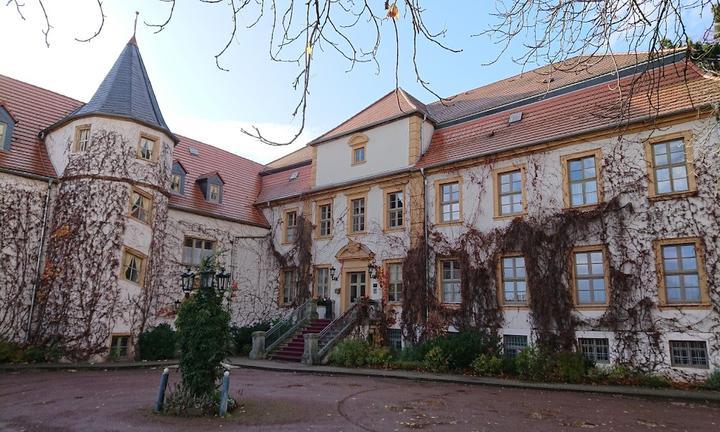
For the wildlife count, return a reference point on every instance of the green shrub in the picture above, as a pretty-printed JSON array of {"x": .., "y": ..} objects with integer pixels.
[
  {"x": 411, "y": 365},
  {"x": 570, "y": 367},
  {"x": 413, "y": 353},
  {"x": 713, "y": 381},
  {"x": 436, "y": 360},
  {"x": 652, "y": 380},
  {"x": 534, "y": 364},
  {"x": 487, "y": 365},
  {"x": 158, "y": 343},
  {"x": 509, "y": 367},
  {"x": 42, "y": 354},
  {"x": 242, "y": 336},
  {"x": 203, "y": 326},
  {"x": 350, "y": 353},
  {"x": 378, "y": 356},
  {"x": 10, "y": 352},
  {"x": 461, "y": 349}
]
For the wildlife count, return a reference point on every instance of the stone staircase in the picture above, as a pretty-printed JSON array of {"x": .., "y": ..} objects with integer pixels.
[{"x": 293, "y": 349}]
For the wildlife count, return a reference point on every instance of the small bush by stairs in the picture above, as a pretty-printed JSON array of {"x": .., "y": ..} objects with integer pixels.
[{"x": 293, "y": 349}]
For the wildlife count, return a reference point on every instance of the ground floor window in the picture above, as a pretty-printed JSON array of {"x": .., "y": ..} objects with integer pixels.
[
  {"x": 450, "y": 281},
  {"x": 595, "y": 349},
  {"x": 288, "y": 286},
  {"x": 395, "y": 339},
  {"x": 395, "y": 286},
  {"x": 357, "y": 285},
  {"x": 689, "y": 354},
  {"x": 322, "y": 282},
  {"x": 119, "y": 346},
  {"x": 513, "y": 344}
]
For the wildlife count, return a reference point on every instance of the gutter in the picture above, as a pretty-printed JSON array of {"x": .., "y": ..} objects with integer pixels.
[{"x": 39, "y": 261}]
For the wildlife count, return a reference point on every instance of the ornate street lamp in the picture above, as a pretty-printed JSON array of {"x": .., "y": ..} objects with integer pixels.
[
  {"x": 188, "y": 280},
  {"x": 207, "y": 279},
  {"x": 223, "y": 280}
]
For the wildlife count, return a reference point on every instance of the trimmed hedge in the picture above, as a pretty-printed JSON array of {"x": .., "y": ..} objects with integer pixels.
[{"x": 158, "y": 343}]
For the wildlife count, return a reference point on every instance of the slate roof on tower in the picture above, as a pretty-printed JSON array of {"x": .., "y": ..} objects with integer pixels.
[{"x": 126, "y": 93}]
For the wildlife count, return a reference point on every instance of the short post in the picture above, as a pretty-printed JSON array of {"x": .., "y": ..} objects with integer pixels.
[
  {"x": 161, "y": 391},
  {"x": 224, "y": 392},
  {"x": 258, "y": 346},
  {"x": 313, "y": 310},
  {"x": 311, "y": 349}
]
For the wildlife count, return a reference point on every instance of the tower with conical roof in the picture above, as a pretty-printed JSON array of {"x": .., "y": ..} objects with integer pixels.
[{"x": 113, "y": 157}]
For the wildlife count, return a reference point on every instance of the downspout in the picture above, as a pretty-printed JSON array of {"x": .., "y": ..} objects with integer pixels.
[
  {"x": 39, "y": 261},
  {"x": 426, "y": 234}
]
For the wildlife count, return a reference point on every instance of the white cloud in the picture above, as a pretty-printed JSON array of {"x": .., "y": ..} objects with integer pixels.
[{"x": 228, "y": 135}]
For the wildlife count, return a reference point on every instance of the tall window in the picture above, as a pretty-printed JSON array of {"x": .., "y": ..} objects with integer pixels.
[
  {"x": 140, "y": 206},
  {"x": 681, "y": 273},
  {"x": 395, "y": 339},
  {"x": 119, "y": 346},
  {"x": 82, "y": 138},
  {"x": 689, "y": 354},
  {"x": 290, "y": 226},
  {"x": 510, "y": 193},
  {"x": 322, "y": 282},
  {"x": 583, "y": 181},
  {"x": 132, "y": 267},
  {"x": 514, "y": 286},
  {"x": 669, "y": 164},
  {"x": 595, "y": 349},
  {"x": 395, "y": 204},
  {"x": 214, "y": 193},
  {"x": 3, "y": 129},
  {"x": 358, "y": 215},
  {"x": 357, "y": 285},
  {"x": 289, "y": 286},
  {"x": 176, "y": 183},
  {"x": 325, "y": 219},
  {"x": 146, "y": 148},
  {"x": 513, "y": 344},
  {"x": 450, "y": 281},
  {"x": 450, "y": 202},
  {"x": 358, "y": 155},
  {"x": 395, "y": 285},
  {"x": 195, "y": 250},
  {"x": 590, "y": 278}
]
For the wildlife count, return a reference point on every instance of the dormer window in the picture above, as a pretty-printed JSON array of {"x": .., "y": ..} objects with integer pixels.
[
  {"x": 211, "y": 186},
  {"x": 6, "y": 129},
  {"x": 177, "y": 180},
  {"x": 214, "y": 193},
  {"x": 147, "y": 148}
]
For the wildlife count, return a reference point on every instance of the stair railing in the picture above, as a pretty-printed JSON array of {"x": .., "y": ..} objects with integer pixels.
[
  {"x": 288, "y": 326},
  {"x": 336, "y": 331}
]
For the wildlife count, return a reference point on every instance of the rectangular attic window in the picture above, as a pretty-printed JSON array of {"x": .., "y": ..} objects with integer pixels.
[
  {"x": 294, "y": 175},
  {"x": 193, "y": 151},
  {"x": 515, "y": 117}
]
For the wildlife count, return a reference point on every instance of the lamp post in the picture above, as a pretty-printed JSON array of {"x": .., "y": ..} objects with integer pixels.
[
  {"x": 187, "y": 281},
  {"x": 208, "y": 280}
]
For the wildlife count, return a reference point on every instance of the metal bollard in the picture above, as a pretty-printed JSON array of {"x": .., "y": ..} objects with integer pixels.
[
  {"x": 161, "y": 391},
  {"x": 224, "y": 393}
]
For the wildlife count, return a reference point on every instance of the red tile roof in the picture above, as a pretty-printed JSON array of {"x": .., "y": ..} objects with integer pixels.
[
  {"x": 33, "y": 109},
  {"x": 582, "y": 111},
  {"x": 392, "y": 105},
  {"x": 535, "y": 82},
  {"x": 278, "y": 184},
  {"x": 301, "y": 155},
  {"x": 240, "y": 176}
]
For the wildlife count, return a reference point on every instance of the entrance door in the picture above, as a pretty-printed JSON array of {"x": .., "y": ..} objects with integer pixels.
[{"x": 356, "y": 286}]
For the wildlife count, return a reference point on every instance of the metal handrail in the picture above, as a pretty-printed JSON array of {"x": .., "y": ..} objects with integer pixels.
[
  {"x": 336, "y": 330},
  {"x": 286, "y": 327}
]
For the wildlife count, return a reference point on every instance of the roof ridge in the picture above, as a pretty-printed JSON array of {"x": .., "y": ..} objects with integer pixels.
[{"x": 286, "y": 155}]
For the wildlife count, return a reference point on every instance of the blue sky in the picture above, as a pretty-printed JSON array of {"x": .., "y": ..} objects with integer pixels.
[{"x": 211, "y": 105}]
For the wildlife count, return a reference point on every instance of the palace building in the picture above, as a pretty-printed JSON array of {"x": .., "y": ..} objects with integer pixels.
[{"x": 574, "y": 204}]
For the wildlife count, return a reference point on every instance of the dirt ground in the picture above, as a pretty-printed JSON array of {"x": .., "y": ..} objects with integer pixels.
[{"x": 122, "y": 400}]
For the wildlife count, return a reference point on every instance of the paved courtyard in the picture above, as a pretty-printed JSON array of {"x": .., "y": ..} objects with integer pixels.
[{"x": 271, "y": 401}]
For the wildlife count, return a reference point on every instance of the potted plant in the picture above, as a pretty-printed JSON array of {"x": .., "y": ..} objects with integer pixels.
[{"x": 324, "y": 307}]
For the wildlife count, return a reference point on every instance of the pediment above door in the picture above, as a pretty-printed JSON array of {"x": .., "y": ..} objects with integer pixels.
[{"x": 354, "y": 251}]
